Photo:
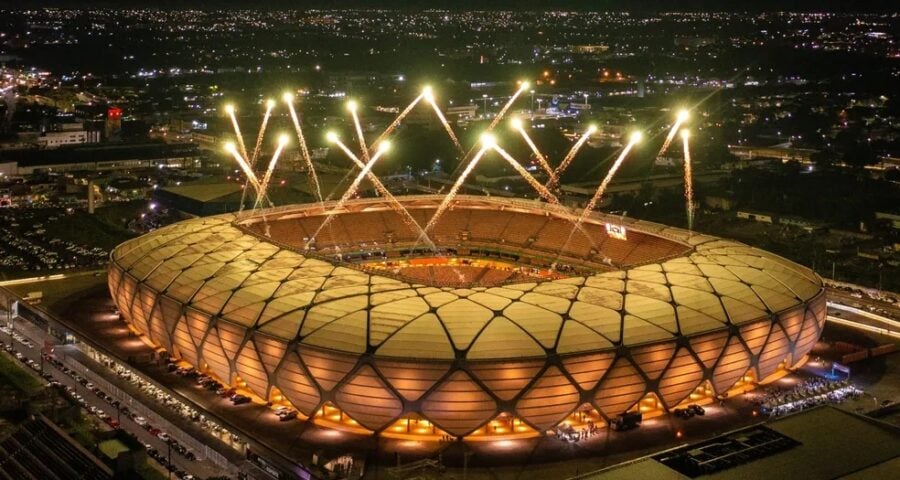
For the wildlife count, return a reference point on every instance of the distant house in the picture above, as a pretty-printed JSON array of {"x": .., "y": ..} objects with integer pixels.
[
  {"x": 100, "y": 158},
  {"x": 756, "y": 216},
  {"x": 201, "y": 200},
  {"x": 891, "y": 219},
  {"x": 807, "y": 225},
  {"x": 718, "y": 202}
]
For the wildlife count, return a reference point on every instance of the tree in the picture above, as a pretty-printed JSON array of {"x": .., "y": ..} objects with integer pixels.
[
  {"x": 859, "y": 154},
  {"x": 824, "y": 159}
]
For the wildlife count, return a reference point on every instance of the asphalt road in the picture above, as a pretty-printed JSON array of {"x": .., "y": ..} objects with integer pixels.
[{"x": 198, "y": 468}]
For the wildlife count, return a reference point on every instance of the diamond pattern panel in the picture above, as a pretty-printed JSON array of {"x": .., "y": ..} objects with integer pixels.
[
  {"x": 459, "y": 405},
  {"x": 549, "y": 400},
  {"x": 506, "y": 379},
  {"x": 296, "y": 386},
  {"x": 368, "y": 400},
  {"x": 412, "y": 381},
  {"x": 732, "y": 365},
  {"x": 268, "y": 296},
  {"x": 680, "y": 379},
  {"x": 622, "y": 387},
  {"x": 776, "y": 350}
]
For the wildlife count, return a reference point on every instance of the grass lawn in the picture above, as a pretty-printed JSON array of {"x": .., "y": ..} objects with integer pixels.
[
  {"x": 14, "y": 374},
  {"x": 112, "y": 448},
  {"x": 149, "y": 472},
  {"x": 104, "y": 229},
  {"x": 58, "y": 292}
]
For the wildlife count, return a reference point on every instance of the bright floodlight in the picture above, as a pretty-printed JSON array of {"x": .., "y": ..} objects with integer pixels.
[
  {"x": 229, "y": 147},
  {"x": 685, "y": 133},
  {"x": 270, "y": 103},
  {"x": 229, "y": 109},
  {"x": 283, "y": 139},
  {"x": 516, "y": 123},
  {"x": 488, "y": 140},
  {"x": 591, "y": 128},
  {"x": 351, "y": 105},
  {"x": 384, "y": 146},
  {"x": 682, "y": 115},
  {"x": 427, "y": 93},
  {"x": 331, "y": 137},
  {"x": 524, "y": 86},
  {"x": 288, "y": 97},
  {"x": 636, "y": 136}
]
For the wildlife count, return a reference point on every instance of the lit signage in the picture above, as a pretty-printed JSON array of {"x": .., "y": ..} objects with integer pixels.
[{"x": 616, "y": 231}]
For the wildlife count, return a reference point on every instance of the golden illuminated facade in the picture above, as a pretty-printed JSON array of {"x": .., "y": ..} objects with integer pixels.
[{"x": 658, "y": 313}]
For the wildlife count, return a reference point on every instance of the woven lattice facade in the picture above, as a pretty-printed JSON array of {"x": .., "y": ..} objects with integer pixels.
[{"x": 663, "y": 312}]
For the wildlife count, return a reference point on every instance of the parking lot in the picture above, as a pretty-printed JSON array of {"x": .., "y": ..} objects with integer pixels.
[
  {"x": 27, "y": 247},
  {"x": 110, "y": 406}
]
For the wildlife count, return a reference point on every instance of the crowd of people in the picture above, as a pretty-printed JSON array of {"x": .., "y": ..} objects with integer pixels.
[
  {"x": 809, "y": 393},
  {"x": 568, "y": 433}
]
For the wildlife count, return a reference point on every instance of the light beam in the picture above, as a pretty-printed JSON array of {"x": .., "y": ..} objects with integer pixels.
[
  {"x": 396, "y": 123},
  {"x": 688, "y": 179},
  {"x": 541, "y": 190},
  {"x": 502, "y": 112},
  {"x": 229, "y": 109},
  {"x": 270, "y": 104},
  {"x": 304, "y": 151},
  {"x": 264, "y": 186},
  {"x": 542, "y": 160},
  {"x": 487, "y": 142},
  {"x": 364, "y": 151},
  {"x": 567, "y": 160},
  {"x": 635, "y": 138},
  {"x": 242, "y": 162},
  {"x": 383, "y": 147},
  {"x": 679, "y": 120},
  {"x": 429, "y": 97},
  {"x": 384, "y": 192}
]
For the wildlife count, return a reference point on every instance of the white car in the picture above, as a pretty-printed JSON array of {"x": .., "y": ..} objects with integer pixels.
[{"x": 140, "y": 421}]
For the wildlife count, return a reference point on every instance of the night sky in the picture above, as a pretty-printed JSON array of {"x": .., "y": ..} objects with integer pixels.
[{"x": 633, "y": 5}]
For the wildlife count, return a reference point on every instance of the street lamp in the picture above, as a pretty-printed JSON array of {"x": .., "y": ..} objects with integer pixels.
[
  {"x": 485, "y": 98},
  {"x": 532, "y": 104}
]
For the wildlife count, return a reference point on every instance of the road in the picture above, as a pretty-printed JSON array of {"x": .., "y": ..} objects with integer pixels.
[
  {"x": 845, "y": 298},
  {"x": 199, "y": 468}
]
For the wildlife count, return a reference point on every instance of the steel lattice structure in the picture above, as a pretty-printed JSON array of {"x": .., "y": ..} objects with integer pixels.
[{"x": 664, "y": 311}]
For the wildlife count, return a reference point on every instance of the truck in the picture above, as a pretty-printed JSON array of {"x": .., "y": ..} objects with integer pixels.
[{"x": 627, "y": 421}]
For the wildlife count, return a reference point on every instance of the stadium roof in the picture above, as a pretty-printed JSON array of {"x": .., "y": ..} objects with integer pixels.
[
  {"x": 205, "y": 192},
  {"x": 211, "y": 265}
]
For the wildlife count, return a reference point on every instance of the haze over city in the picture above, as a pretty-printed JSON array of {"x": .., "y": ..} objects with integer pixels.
[{"x": 449, "y": 240}]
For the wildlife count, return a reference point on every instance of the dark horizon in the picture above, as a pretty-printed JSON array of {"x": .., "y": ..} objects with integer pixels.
[{"x": 644, "y": 6}]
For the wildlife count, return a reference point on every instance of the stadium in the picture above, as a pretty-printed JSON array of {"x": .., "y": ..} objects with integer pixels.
[{"x": 513, "y": 323}]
